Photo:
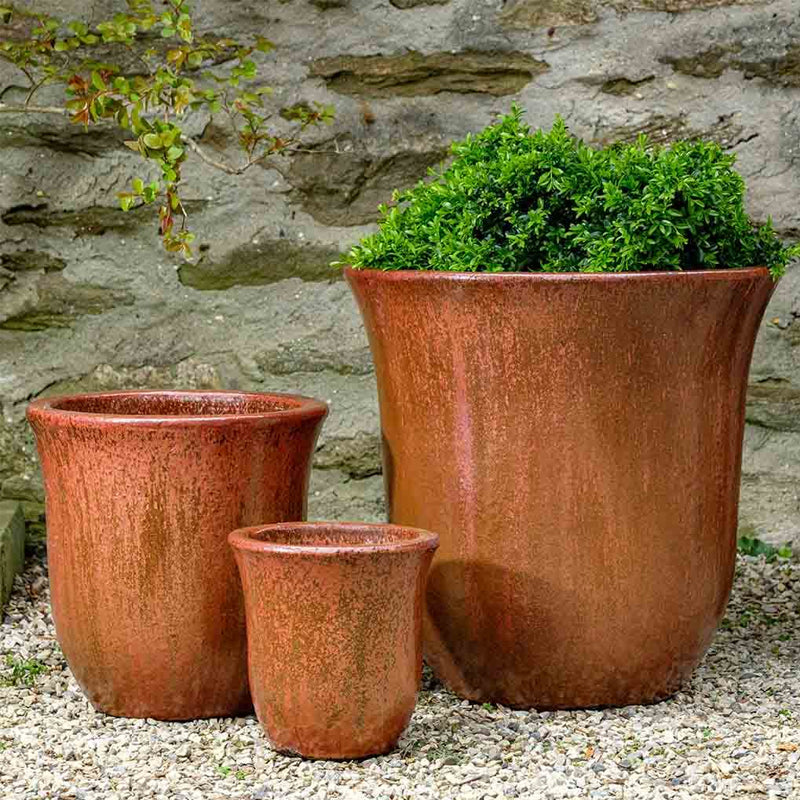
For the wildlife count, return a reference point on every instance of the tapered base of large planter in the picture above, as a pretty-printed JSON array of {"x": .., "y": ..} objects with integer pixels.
[
  {"x": 575, "y": 440},
  {"x": 638, "y": 657},
  {"x": 598, "y": 687}
]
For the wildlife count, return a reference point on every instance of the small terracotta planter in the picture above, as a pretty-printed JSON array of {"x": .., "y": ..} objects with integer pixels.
[
  {"x": 334, "y": 616},
  {"x": 142, "y": 491},
  {"x": 575, "y": 440}
]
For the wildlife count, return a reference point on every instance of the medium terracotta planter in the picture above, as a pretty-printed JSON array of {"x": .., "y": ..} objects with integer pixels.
[
  {"x": 334, "y": 630},
  {"x": 142, "y": 491},
  {"x": 576, "y": 442}
]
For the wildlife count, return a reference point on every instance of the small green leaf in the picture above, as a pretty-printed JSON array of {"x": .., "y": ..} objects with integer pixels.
[
  {"x": 174, "y": 153},
  {"x": 153, "y": 141},
  {"x": 98, "y": 82},
  {"x": 150, "y": 192},
  {"x": 167, "y": 32},
  {"x": 168, "y": 137},
  {"x": 264, "y": 45},
  {"x": 138, "y": 185}
]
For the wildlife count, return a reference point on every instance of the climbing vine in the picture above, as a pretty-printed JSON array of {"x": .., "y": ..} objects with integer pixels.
[{"x": 176, "y": 71}]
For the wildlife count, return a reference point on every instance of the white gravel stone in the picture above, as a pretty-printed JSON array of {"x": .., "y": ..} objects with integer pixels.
[{"x": 734, "y": 732}]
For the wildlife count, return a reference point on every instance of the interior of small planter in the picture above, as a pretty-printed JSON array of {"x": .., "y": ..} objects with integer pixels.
[
  {"x": 334, "y": 536},
  {"x": 177, "y": 405}
]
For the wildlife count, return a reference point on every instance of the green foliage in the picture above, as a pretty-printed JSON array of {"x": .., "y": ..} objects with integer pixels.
[
  {"x": 307, "y": 114},
  {"x": 149, "y": 103},
  {"x": 520, "y": 201},
  {"x": 22, "y": 672},
  {"x": 752, "y": 546}
]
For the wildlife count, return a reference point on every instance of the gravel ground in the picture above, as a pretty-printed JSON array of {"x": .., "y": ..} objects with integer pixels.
[{"x": 734, "y": 732}]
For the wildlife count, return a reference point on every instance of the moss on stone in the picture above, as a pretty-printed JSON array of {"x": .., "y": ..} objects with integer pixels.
[
  {"x": 29, "y": 260},
  {"x": 59, "y": 302},
  {"x": 549, "y": 13},
  {"x": 259, "y": 264},
  {"x": 414, "y": 74},
  {"x": 346, "y": 188}
]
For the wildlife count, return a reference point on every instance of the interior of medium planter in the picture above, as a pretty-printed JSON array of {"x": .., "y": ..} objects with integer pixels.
[
  {"x": 331, "y": 535},
  {"x": 176, "y": 404}
]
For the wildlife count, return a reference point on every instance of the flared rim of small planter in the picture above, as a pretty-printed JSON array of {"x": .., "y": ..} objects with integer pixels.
[
  {"x": 331, "y": 539},
  {"x": 175, "y": 408},
  {"x": 415, "y": 275}
]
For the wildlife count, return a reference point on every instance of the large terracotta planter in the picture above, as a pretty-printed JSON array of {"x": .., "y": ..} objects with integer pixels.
[
  {"x": 576, "y": 442},
  {"x": 142, "y": 491},
  {"x": 334, "y": 631}
]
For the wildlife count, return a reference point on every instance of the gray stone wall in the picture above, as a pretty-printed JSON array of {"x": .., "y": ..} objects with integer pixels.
[{"x": 89, "y": 301}]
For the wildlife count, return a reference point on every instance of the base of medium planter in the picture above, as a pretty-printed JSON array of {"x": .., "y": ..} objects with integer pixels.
[{"x": 172, "y": 712}]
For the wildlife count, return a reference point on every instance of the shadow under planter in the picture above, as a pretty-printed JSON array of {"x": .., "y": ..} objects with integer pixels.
[
  {"x": 334, "y": 632},
  {"x": 142, "y": 491},
  {"x": 575, "y": 440}
]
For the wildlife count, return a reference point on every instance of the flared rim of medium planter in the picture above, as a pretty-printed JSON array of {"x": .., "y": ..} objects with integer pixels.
[
  {"x": 331, "y": 539},
  {"x": 175, "y": 408},
  {"x": 417, "y": 275}
]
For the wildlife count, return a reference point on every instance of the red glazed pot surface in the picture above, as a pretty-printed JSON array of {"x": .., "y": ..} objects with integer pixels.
[
  {"x": 576, "y": 441},
  {"x": 334, "y": 627},
  {"x": 142, "y": 491}
]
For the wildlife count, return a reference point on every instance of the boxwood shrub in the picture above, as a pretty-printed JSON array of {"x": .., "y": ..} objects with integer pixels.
[{"x": 516, "y": 200}]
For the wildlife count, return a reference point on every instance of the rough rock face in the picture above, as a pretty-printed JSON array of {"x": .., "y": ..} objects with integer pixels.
[
  {"x": 412, "y": 74},
  {"x": 88, "y": 300}
]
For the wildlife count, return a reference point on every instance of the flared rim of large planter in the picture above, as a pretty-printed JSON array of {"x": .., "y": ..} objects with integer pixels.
[
  {"x": 167, "y": 408},
  {"x": 416, "y": 275},
  {"x": 331, "y": 539}
]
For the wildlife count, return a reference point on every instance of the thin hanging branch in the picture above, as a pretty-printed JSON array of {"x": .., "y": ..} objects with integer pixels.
[{"x": 220, "y": 165}]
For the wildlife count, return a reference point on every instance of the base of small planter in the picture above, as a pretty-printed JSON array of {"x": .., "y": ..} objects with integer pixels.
[{"x": 334, "y": 616}]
